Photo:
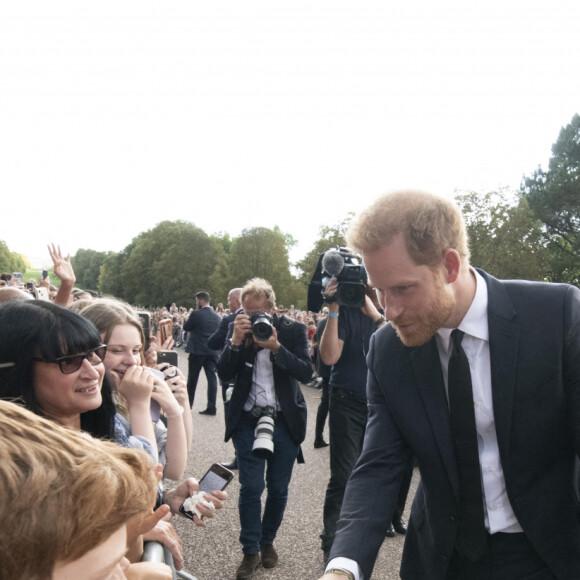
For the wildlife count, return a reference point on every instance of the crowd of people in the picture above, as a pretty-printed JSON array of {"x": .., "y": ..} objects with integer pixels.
[{"x": 440, "y": 365}]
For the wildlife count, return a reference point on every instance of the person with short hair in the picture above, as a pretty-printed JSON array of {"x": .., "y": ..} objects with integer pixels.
[
  {"x": 70, "y": 504},
  {"x": 266, "y": 366},
  {"x": 479, "y": 378},
  {"x": 200, "y": 325}
]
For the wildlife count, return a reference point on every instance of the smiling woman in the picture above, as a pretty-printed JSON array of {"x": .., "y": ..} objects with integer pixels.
[{"x": 57, "y": 366}]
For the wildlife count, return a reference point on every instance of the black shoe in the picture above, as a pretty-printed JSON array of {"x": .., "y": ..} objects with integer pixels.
[
  {"x": 233, "y": 464},
  {"x": 269, "y": 555},
  {"x": 390, "y": 533},
  {"x": 248, "y": 566},
  {"x": 400, "y": 526},
  {"x": 208, "y": 412},
  {"x": 318, "y": 443}
]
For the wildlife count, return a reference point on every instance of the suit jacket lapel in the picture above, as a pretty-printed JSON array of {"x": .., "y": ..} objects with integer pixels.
[
  {"x": 426, "y": 366},
  {"x": 504, "y": 335}
]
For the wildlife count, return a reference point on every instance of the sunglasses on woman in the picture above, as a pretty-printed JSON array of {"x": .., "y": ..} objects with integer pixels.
[{"x": 72, "y": 362}]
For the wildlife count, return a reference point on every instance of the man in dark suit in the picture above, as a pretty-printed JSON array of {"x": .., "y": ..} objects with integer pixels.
[
  {"x": 480, "y": 379},
  {"x": 266, "y": 364},
  {"x": 201, "y": 324}
]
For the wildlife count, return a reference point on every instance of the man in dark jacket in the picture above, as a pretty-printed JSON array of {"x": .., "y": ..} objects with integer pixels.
[
  {"x": 266, "y": 358},
  {"x": 201, "y": 324}
]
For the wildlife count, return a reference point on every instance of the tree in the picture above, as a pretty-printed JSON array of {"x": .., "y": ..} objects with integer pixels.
[
  {"x": 170, "y": 263},
  {"x": 505, "y": 239},
  {"x": 261, "y": 252},
  {"x": 110, "y": 275},
  {"x": 11, "y": 261},
  {"x": 554, "y": 197},
  {"x": 87, "y": 266}
]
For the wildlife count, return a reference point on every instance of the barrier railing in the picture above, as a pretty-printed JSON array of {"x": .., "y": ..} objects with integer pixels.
[{"x": 157, "y": 552}]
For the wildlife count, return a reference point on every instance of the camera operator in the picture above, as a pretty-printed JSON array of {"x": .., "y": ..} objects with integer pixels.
[{"x": 267, "y": 357}]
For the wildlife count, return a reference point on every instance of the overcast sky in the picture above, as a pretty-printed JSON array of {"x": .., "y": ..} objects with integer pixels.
[{"x": 116, "y": 115}]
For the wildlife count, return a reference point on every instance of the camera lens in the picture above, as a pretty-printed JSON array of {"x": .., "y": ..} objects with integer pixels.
[{"x": 349, "y": 294}]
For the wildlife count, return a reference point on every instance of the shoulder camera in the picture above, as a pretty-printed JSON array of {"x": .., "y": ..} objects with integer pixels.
[{"x": 350, "y": 274}]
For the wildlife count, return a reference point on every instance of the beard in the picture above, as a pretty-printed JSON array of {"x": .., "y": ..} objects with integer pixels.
[{"x": 418, "y": 330}]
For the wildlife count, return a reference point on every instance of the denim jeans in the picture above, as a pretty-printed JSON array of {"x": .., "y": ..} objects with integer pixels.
[
  {"x": 208, "y": 363},
  {"x": 347, "y": 420},
  {"x": 257, "y": 529}
]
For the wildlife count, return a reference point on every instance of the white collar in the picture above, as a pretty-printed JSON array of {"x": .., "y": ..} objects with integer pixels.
[{"x": 474, "y": 322}]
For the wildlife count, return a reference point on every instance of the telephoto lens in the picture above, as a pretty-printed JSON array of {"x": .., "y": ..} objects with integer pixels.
[{"x": 261, "y": 326}]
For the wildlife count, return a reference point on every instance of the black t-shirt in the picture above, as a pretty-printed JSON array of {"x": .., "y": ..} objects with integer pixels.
[{"x": 350, "y": 372}]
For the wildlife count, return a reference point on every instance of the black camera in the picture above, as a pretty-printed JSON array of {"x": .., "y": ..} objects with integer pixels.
[
  {"x": 264, "y": 432},
  {"x": 262, "y": 324},
  {"x": 350, "y": 274}
]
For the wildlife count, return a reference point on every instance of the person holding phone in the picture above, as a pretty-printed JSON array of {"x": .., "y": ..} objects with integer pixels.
[{"x": 120, "y": 328}]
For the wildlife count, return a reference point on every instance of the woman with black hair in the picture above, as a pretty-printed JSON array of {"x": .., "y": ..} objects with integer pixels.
[{"x": 51, "y": 362}]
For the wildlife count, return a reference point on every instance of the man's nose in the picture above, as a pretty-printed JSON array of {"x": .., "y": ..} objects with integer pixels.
[{"x": 393, "y": 307}]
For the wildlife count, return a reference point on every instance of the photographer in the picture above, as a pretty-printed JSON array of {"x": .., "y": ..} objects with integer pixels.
[{"x": 266, "y": 357}]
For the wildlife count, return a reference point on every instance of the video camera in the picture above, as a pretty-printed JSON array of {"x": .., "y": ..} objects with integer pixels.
[{"x": 350, "y": 274}]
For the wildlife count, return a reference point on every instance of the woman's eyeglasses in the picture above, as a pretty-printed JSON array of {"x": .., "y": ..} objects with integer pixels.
[{"x": 72, "y": 363}]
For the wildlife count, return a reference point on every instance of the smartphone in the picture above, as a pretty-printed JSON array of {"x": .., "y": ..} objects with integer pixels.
[
  {"x": 217, "y": 478},
  {"x": 167, "y": 356},
  {"x": 146, "y": 324},
  {"x": 155, "y": 407},
  {"x": 42, "y": 293},
  {"x": 166, "y": 329},
  {"x": 44, "y": 274}
]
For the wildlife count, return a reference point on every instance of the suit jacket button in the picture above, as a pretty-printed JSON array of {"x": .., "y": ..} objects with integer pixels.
[{"x": 453, "y": 517}]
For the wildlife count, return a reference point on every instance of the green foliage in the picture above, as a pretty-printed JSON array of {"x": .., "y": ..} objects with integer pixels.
[
  {"x": 554, "y": 197},
  {"x": 330, "y": 237},
  {"x": 262, "y": 253},
  {"x": 505, "y": 239},
  {"x": 110, "y": 274},
  {"x": 170, "y": 263},
  {"x": 11, "y": 261},
  {"x": 87, "y": 266}
]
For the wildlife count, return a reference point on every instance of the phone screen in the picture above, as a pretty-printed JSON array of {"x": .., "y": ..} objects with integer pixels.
[{"x": 212, "y": 481}]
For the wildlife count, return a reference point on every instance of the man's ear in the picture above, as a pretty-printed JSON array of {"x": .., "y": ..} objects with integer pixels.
[{"x": 452, "y": 264}]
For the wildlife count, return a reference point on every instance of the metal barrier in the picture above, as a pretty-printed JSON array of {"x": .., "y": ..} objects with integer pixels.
[{"x": 157, "y": 552}]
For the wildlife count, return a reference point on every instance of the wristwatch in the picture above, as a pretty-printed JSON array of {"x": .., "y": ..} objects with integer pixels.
[{"x": 233, "y": 346}]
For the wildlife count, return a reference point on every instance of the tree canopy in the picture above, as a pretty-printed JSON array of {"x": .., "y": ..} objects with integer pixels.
[
  {"x": 505, "y": 238},
  {"x": 11, "y": 261},
  {"x": 554, "y": 197}
]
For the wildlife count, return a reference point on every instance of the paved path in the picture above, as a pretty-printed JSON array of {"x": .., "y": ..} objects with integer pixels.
[{"x": 214, "y": 552}]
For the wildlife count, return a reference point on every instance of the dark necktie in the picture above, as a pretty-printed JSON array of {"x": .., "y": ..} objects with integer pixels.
[{"x": 471, "y": 540}]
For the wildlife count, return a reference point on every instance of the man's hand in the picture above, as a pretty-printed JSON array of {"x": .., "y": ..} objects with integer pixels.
[
  {"x": 271, "y": 344},
  {"x": 242, "y": 326},
  {"x": 330, "y": 291}
]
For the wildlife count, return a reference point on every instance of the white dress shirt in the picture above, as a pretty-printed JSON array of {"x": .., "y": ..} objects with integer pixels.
[
  {"x": 499, "y": 515},
  {"x": 262, "y": 392}
]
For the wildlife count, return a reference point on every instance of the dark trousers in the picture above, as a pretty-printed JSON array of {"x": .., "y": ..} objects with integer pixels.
[
  {"x": 208, "y": 363},
  {"x": 322, "y": 411},
  {"x": 347, "y": 422},
  {"x": 509, "y": 557},
  {"x": 257, "y": 529}
]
